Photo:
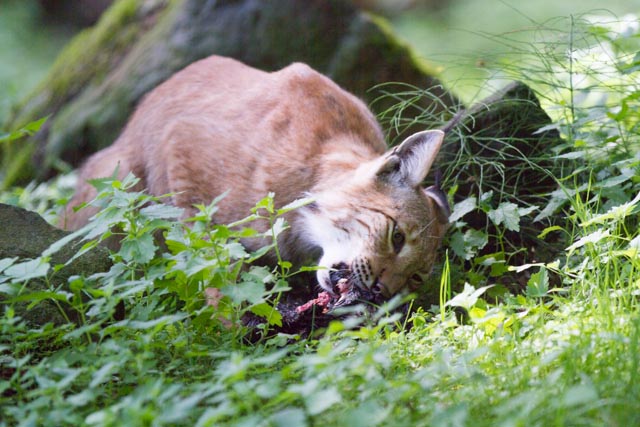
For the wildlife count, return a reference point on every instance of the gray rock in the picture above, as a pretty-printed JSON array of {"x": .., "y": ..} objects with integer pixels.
[{"x": 25, "y": 235}]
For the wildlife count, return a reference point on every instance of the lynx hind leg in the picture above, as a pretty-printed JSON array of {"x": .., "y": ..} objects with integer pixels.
[{"x": 100, "y": 165}]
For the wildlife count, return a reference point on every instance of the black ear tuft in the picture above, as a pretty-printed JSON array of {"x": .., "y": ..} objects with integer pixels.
[{"x": 440, "y": 198}]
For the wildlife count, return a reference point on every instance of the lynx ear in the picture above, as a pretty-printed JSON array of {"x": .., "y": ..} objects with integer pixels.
[
  {"x": 409, "y": 162},
  {"x": 440, "y": 199}
]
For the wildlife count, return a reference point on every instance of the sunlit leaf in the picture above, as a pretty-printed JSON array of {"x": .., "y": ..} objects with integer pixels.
[
  {"x": 468, "y": 297},
  {"x": 594, "y": 237},
  {"x": 462, "y": 208},
  {"x": 296, "y": 204},
  {"x": 538, "y": 284},
  {"x": 27, "y": 270}
]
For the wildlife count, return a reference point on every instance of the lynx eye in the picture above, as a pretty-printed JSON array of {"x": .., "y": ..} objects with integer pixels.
[
  {"x": 396, "y": 239},
  {"x": 415, "y": 282}
]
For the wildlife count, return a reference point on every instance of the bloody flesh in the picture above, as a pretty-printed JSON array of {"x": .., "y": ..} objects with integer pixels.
[{"x": 325, "y": 299}]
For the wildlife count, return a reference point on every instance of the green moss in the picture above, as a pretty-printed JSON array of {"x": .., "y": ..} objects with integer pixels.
[
  {"x": 88, "y": 52},
  {"x": 100, "y": 76},
  {"x": 85, "y": 62}
]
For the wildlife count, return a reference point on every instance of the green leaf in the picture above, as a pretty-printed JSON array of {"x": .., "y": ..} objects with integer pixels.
[
  {"x": 102, "y": 375},
  {"x": 462, "y": 208},
  {"x": 538, "y": 284},
  {"x": 594, "y": 237},
  {"x": 140, "y": 249},
  {"x": 245, "y": 291},
  {"x": 161, "y": 211},
  {"x": 259, "y": 274},
  {"x": 56, "y": 246},
  {"x": 27, "y": 270},
  {"x": 579, "y": 395},
  {"x": 468, "y": 297},
  {"x": 370, "y": 413},
  {"x": 549, "y": 230},
  {"x": 155, "y": 324},
  {"x": 508, "y": 214},
  {"x": 288, "y": 417},
  {"x": 266, "y": 204},
  {"x": 467, "y": 245},
  {"x": 296, "y": 204},
  {"x": 322, "y": 400},
  {"x": 278, "y": 227},
  {"x": 616, "y": 213},
  {"x": 36, "y": 297},
  {"x": 6, "y": 262},
  {"x": 236, "y": 250},
  {"x": 28, "y": 129},
  {"x": 267, "y": 312}
]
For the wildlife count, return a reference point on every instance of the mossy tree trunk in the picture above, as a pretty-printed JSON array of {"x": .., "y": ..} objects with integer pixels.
[{"x": 100, "y": 77}]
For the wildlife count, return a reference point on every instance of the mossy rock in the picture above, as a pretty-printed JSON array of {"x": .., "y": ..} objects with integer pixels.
[
  {"x": 25, "y": 235},
  {"x": 100, "y": 77},
  {"x": 502, "y": 144},
  {"x": 501, "y": 147}
]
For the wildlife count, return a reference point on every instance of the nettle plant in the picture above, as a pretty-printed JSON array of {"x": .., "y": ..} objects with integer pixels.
[{"x": 164, "y": 267}]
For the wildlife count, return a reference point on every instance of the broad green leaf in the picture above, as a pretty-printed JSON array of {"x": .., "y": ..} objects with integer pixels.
[
  {"x": 152, "y": 324},
  {"x": 28, "y": 129},
  {"x": 288, "y": 417},
  {"x": 140, "y": 249},
  {"x": 27, "y": 270},
  {"x": 462, "y": 208},
  {"x": 468, "y": 297},
  {"x": 245, "y": 291},
  {"x": 236, "y": 250},
  {"x": 508, "y": 214},
  {"x": 259, "y": 274},
  {"x": 581, "y": 394},
  {"x": 322, "y": 400},
  {"x": 267, "y": 312},
  {"x": 103, "y": 374},
  {"x": 370, "y": 413},
  {"x": 56, "y": 246},
  {"x": 34, "y": 298},
  {"x": 467, "y": 245},
  {"x": 161, "y": 211},
  {"x": 538, "y": 284},
  {"x": 278, "y": 227},
  {"x": 266, "y": 204},
  {"x": 6, "y": 262}
]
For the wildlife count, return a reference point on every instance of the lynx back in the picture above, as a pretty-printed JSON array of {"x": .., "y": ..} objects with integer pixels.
[{"x": 219, "y": 125}]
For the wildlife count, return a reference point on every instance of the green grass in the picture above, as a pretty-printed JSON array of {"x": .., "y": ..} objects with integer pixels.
[
  {"x": 563, "y": 352},
  {"x": 465, "y": 37}
]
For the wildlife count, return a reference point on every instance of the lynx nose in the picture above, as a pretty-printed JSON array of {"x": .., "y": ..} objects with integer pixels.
[
  {"x": 339, "y": 271},
  {"x": 379, "y": 289}
]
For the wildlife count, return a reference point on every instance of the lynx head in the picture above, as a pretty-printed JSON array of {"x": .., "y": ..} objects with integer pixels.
[{"x": 379, "y": 225}]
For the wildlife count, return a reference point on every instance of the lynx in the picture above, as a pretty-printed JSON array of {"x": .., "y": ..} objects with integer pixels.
[{"x": 219, "y": 125}]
